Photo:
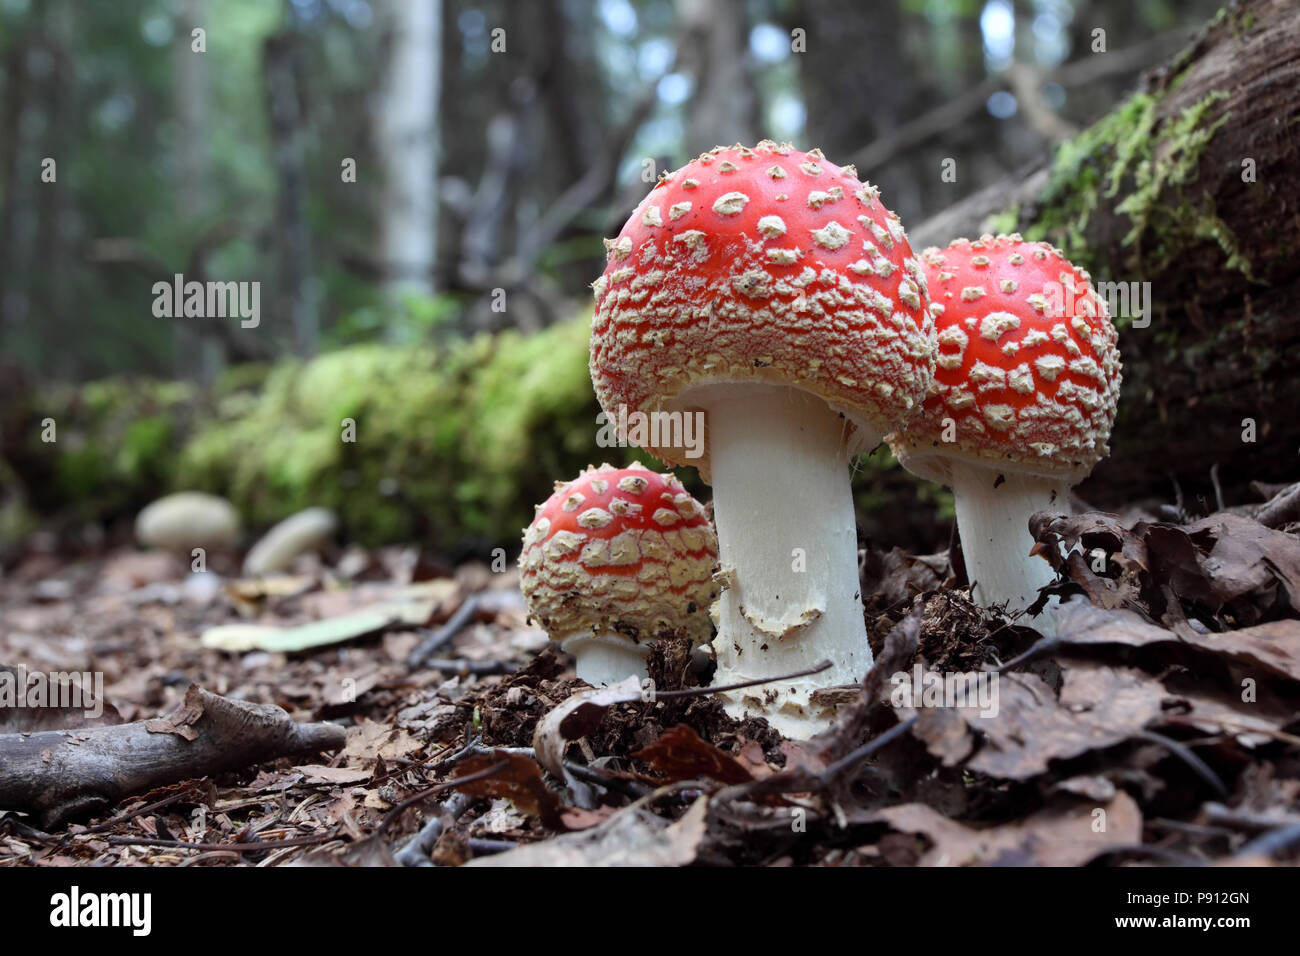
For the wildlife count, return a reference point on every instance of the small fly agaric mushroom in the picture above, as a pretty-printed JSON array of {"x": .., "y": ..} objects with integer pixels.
[
  {"x": 614, "y": 558},
  {"x": 769, "y": 290},
  {"x": 1022, "y": 404}
]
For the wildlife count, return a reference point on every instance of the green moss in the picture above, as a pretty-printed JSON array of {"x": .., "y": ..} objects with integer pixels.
[
  {"x": 1005, "y": 222},
  {"x": 455, "y": 444},
  {"x": 116, "y": 442},
  {"x": 1161, "y": 228},
  {"x": 451, "y": 447},
  {"x": 1153, "y": 163},
  {"x": 1087, "y": 168},
  {"x": 17, "y": 520}
]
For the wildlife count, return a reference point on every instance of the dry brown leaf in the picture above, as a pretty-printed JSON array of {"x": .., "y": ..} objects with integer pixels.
[
  {"x": 1031, "y": 728},
  {"x": 577, "y": 717},
  {"x": 317, "y": 773},
  {"x": 181, "y": 720},
  {"x": 1065, "y": 836},
  {"x": 519, "y": 781},
  {"x": 680, "y": 754},
  {"x": 632, "y": 837},
  {"x": 1274, "y": 646}
]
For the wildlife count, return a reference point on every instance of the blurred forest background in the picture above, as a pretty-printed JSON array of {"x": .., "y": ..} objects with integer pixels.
[{"x": 421, "y": 188}]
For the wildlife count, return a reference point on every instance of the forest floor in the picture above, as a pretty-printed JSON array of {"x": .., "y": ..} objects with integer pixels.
[{"x": 1161, "y": 727}]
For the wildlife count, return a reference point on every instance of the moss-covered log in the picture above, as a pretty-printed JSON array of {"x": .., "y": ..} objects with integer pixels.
[
  {"x": 1190, "y": 185},
  {"x": 446, "y": 447}
]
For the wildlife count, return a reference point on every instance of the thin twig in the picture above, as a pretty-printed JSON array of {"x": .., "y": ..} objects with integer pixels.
[
  {"x": 1149, "y": 849},
  {"x": 415, "y": 852},
  {"x": 1272, "y": 842},
  {"x": 703, "y": 691},
  {"x": 132, "y": 814},
  {"x": 460, "y": 666},
  {"x": 854, "y": 757},
  {"x": 253, "y": 847},
  {"x": 1282, "y": 509},
  {"x": 484, "y": 847},
  {"x": 1184, "y": 753},
  {"x": 423, "y": 795},
  {"x": 1039, "y": 648},
  {"x": 1218, "y": 488},
  {"x": 453, "y": 626},
  {"x": 1245, "y": 819}
]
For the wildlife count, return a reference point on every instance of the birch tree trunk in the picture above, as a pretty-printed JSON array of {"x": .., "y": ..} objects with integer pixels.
[{"x": 407, "y": 134}]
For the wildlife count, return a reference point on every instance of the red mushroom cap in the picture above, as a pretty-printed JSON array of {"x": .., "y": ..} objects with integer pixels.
[
  {"x": 1028, "y": 367},
  {"x": 620, "y": 550},
  {"x": 764, "y": 265}
]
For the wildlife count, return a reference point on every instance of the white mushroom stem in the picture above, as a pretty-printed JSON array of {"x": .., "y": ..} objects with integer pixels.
[
  {"x": 993, "y": 509},
  {"x": 603, "y": 659},
  {"x": 787, "y": 543}
]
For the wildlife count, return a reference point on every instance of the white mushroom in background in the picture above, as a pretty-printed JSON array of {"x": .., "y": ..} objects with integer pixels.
[
  {"x": 187, "y": 520},
  {"x": 305, "y": 531}
]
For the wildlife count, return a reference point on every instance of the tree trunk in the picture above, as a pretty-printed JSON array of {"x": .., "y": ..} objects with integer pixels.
[
  {"x": 407, "y": 137},
  {"x": 296, "y": 296},
  {"x": 723, "y": 109},
  {"x": 1187, "y": 189},
  {"x": 197, "y": 354}
]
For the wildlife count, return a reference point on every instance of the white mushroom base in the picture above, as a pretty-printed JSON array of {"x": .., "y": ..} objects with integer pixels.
[
  {"x": 993, "y": 510},
  {"x": 788, "y": 552},
  {"x": 604, "y": 659}
]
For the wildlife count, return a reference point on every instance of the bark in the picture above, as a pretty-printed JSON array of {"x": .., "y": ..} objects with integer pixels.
[
  {"x": 18, "y": 202},
  {"x": 1159, "y": 192},
  {"x": 293, "y": 238},
  {"x": 407, "y": 140},
  {"x": 723, "y": 109},
  {"x": 64, "y": 773},
  {"x": 197, "y": 354},
  {"x": 840, "y": 64}
]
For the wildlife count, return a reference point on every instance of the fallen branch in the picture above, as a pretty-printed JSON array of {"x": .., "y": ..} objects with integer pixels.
[
  {"x": 1282, "y": 510},
  {"x": 482, "y": 602},
  {"x": 416, "y": 850},
  {"x": 64, "y": 773}
]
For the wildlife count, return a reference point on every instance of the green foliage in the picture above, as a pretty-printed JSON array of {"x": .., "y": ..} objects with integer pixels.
[
  {"x": 1087, "y": 167},
  {"x": 116, "y": 444},
  {"x": 452, "y": 445},
  {"x": 16, "y": 519},
  {"x": 1154, "y": 164},
  {"x": 455, "y": 445}
]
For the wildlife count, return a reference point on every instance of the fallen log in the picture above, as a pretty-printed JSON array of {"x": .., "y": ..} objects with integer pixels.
[
  {"x": 61, "y": 774},
  {"x": 1186, "y": 190}
]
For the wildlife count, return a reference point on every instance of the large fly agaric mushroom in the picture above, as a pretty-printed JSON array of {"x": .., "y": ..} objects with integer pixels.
[
  {"x": 615, "y": 558},
  {"x": 1022, "y": 404},
  {"x": 769, "y": 290}
]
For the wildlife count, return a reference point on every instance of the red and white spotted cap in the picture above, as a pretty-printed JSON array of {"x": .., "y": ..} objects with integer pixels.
[
  {"x": 763, "y": 265},
  {"x": 620, "y": 551},
  {"x": 1028, "y": 370}
]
